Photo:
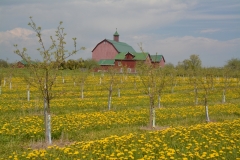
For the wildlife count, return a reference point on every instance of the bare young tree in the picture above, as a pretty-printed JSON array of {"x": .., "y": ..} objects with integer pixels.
[
  {"x": 154, "y": 80},
  {"x": 1, "y": 79},
  {"x": 44, "y": 73},
  {"x": 226, "y": 81},
  {"x": 109, "y": 82},
  {"x": 81, "y": 79},
  {"x": 206, "y": 83}
]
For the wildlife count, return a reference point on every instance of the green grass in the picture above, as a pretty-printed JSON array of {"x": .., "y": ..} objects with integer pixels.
[{"x": 82, "y": 120}]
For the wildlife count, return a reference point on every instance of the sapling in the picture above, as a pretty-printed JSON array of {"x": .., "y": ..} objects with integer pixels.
[
  {"x": 1, "y": 78},
  {"x": 154, "y": 80},
  {"x": 226, "y": 82},
  {"x": 206, "y": 84},
  {"x": 44, "y": 73}
]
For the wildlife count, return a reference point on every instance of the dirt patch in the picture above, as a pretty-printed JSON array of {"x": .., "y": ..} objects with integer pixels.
[{"x": 44, "y": 145}]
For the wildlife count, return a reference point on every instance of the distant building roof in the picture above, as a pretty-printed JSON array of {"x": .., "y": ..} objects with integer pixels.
[
  {"x": 106, "y": 62},
  {"x": 156, "y": 58},
  {"x": 26, "y": 63}
]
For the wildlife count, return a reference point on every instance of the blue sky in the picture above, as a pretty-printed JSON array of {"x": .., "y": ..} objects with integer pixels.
[{"x": 174, "y": 28}]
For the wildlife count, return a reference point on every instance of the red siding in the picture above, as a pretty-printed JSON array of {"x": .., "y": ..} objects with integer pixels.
[
  {"x": 161, "y": 63},
  {"x": 116, "y": 38},
  {"x": 148, "y": 60},
  {"x": 104, "y": 50},
  {"x": 20, "y": 65},
  {"x": 128, "y": 56}
]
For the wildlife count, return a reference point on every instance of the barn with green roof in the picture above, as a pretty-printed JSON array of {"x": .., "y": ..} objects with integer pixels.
[{"x": 113, "y": 53}]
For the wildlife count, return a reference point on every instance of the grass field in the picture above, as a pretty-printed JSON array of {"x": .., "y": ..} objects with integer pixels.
[{"x": 84, "y": 128}]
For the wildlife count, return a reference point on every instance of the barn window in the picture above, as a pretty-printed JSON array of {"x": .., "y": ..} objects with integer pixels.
[
  {"x": 121, "y": 70},
  {"x": 129, "y": 70},
  {"x": 119, "y": 64}
]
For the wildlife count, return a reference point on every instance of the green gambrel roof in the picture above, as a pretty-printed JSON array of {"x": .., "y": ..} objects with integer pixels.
[
  {"x": 137, "y": 55},
  {"x": 121, "y": 46},
  {"x": 106, "y": 62},
  {"x": 156, "y": 58}
]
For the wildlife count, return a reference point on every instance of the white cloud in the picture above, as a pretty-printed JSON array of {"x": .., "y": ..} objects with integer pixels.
[
  {"x": 16, "y": 33},
  {"x": 150, "y": 22},
  {"x": 211, "y": 51}
]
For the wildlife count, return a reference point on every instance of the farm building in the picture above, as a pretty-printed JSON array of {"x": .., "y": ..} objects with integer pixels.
[
  {"x": 119, "y": 54},
  {"x": 21, "y": 64}
]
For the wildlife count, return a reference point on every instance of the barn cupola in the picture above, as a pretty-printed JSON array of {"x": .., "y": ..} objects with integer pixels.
[{"x": 116, "y": 36}]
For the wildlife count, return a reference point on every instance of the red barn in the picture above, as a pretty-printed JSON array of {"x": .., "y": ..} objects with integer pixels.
[
  {"x": 108, "y": 49},
  {"x": 21, "y": 64},
  {"x": 119, "y": 54},
  {"x": 158, "y": 60},
  {"x": 129, "y": 60}
]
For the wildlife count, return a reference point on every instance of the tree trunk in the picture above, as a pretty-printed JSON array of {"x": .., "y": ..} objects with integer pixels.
[
  {"x": 119, "y": 92},
  {"x": 47, "y": 116},
  {"x": 196, "y": 96},
  {"x": 206, "y": 110},
  {"x": 10, "y": 85},
  {"x": 47, "y": 121},
  {"x": 110, "y": 97},
  {"x": 159, "y": 101},
  {"x": 152, "y": 113},
  {"x": 28, "y": 95},
  {"x": 224, "y": 96},
  {"x": 82, "y": 96}
]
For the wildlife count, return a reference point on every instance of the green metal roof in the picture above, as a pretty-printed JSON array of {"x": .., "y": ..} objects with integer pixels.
[
  {"x": 24, "y": 62},
  {"x": 137, "y": 55},
  {"x": 121, "y": 46},
  {"x": 156, "y": 58},
  {"x": 116, "y": 34},
  {"x": 106, "y": 62}
]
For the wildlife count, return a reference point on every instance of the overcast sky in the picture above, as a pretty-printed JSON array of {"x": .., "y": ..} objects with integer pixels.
[{"x": 175, "y": 29}]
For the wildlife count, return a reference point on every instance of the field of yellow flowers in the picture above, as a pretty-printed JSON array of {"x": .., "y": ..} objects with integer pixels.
[{"x": 84, "y": 128}]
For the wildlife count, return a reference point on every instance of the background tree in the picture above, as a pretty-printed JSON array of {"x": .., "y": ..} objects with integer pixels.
[
  {"x": 44, "y": 73},
  {"x": 90, "y": 64},
  {"x": 3, "y": 63},
  {"x": 233, "y": 64},
  {"x": 71, "y": 64},
  {"x": 193, "y": 62}
]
